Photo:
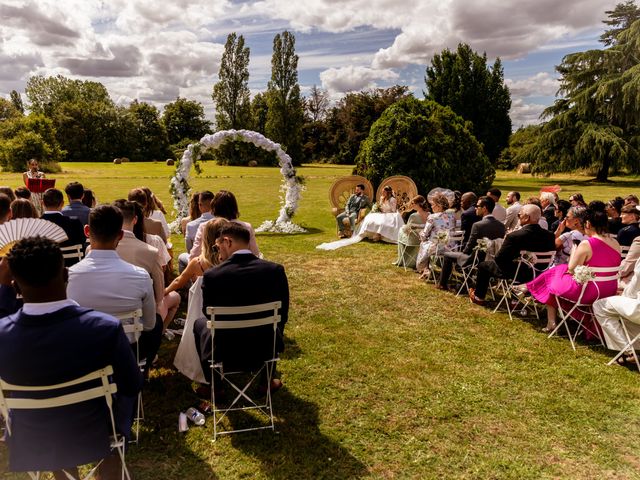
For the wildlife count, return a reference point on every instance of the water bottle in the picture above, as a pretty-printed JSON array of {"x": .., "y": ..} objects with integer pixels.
[{"x": 195, "y": 416}]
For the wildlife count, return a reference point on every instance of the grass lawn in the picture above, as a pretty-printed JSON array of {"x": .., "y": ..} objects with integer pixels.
[{"x": 386, "y": 377}]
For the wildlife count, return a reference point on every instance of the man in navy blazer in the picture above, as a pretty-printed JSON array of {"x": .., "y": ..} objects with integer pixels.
[
  {"x": 53, "y": 201},
  {"x": 469, "y": 214},
  {"x": 52, "y": 340},
  {"x": 76, "y": 209},
  {"x": 241, "y": 279}
]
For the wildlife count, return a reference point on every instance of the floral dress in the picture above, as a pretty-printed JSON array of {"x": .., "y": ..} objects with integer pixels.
[
  {"x": 36, "y": 198},
  {"x": 431, "y": 244}
]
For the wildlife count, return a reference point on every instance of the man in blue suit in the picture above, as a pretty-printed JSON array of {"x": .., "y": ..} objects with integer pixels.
[
  {"x": 76, "y": 209},
  {"x": 52, "y": 340}
]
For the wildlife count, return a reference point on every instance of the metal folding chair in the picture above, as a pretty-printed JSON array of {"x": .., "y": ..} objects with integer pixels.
[
  {"x": 48, "y": 398},
  {"x": 411, "y": 240},
  {"x": 72, "y": 251},
  {"x": 267, "y": 314}
]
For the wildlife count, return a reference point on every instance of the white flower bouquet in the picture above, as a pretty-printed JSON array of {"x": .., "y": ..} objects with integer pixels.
[
  {"x": 482, "y": 245},
  {"x": 583, "y": 274},
  {"x": 442, "y": 237},
  {"x": 375, "y": 208}
]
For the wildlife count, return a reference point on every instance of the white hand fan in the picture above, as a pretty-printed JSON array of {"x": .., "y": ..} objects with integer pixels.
[{"x": 14, "y": 230}]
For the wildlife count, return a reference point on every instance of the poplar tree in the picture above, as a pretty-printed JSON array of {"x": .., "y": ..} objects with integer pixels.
[
  {"x": 285, "y": 115},
  {"x": 231, "y": 92}
]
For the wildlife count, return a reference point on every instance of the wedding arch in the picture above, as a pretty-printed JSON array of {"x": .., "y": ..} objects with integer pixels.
[{"x": 291, "y": 188}]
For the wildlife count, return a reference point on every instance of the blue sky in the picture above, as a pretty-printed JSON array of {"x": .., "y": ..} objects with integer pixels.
[{"x": 155, "y": 51}]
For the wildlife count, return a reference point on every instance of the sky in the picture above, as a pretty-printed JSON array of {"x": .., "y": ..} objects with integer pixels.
[{"x": 157, "y": 50}]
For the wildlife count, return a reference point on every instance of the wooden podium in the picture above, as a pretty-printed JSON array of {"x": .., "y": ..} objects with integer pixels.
[{"x": 40, "y": 185}]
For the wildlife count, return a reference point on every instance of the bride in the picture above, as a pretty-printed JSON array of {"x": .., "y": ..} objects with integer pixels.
[{"x": 384, "y": 224}]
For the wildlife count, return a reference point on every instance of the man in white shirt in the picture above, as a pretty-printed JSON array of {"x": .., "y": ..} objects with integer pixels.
[
  {"x": 511, "y": 221},
  {"x": 105, "y": 282},
  {"x": 204, "y": 204},
  {"x": 499, "y": 212}
]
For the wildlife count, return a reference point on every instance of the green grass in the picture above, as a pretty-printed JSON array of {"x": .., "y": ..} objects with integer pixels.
[{"x": 385, "y": 376}]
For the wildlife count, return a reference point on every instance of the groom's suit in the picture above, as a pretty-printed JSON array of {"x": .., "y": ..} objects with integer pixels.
[{"x": 243, "y": 279}]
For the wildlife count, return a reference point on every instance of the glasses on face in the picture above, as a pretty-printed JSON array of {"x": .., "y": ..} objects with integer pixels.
[{"x": 479, "y": 206}]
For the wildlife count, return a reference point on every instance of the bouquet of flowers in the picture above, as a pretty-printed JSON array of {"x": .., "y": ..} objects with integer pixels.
[
  {"x": 406, "y": 229},
  {"x": 375, "y": 208},
  {"x": 583, "y": 274},
  {"x": 482, "y": 245},
  {"x": 442, "y": 237}
]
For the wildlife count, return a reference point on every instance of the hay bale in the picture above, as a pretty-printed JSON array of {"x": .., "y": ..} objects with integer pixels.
[
  {"x": 170, "y": 162},
  {"x": 125, "y": 159},
  {"x": 117, "y": 161},
  {"x": 253, "y": 163},
  {"x": 524, "y": 168}
]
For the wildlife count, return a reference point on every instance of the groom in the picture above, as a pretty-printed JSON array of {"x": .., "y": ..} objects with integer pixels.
[{"x": 356, "y": 202}]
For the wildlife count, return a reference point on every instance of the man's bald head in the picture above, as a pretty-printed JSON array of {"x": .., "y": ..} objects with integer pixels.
[
  {"x": 529, "y": 214},
  {"x": 468, "y": 199}
]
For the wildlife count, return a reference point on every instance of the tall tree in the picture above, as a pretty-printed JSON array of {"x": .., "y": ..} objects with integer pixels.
[
  {"x": 231, "y": 92},
  {"x": 152, "y": 142},
  {"x": 619, "y": 19},
  {"x": 285, "y": 114},
  {"x": 7, "y": 110},
  {"x": 16, "y": 99},
  {"x": 46, "y": 94},
  {"x": 316, "y": 104},
  {"x": 259, "y": 111},
  {"x": 184, "y": 119},
  {"x": 461, "y": 80},
  {"x": 595, "y": 125}
]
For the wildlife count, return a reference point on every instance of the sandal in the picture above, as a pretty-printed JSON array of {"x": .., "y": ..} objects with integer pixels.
[
  {"x": 549, "y": 329},
  {"x": 626, "y": 359}
]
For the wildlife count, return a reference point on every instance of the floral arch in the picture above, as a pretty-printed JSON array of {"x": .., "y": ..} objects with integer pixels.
[{"x": 291, "y": 187}]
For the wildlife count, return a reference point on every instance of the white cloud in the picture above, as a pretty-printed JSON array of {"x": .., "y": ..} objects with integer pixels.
[
  {"x": 541, "y": 84},
  {"x": 523, "y": 114},
  {"x": 347, "y": 79}
]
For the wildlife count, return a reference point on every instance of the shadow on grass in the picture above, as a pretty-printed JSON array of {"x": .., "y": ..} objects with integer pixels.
[
  {"x": 291, "y": 349},
  {"x": 309, "y": 231},
  {"x": 298, "y": 449}
]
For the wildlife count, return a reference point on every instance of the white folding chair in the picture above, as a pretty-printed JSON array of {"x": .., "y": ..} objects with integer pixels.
[
  {"x": 464, "y": 274},
  {"x": 629, "y": 347},
  {"x": 267, "y": 314},
  {"x": 105, "y": 390},
  {"x": 72, "y": 251},
  {"x": 607, "y": 274},
  {"x": 133, "y": 330},
  {"x": 412, "y": 240},
  {"x": 536, "y": 262},
  {"x": 456, "y": 238},
  {"x": 437, "y": 260}
]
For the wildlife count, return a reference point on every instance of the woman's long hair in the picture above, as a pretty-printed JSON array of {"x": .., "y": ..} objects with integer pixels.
[{"x": 209, "y": 235}]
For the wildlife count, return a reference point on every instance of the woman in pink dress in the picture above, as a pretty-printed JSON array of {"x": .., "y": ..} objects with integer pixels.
[{"x": 599, "y": 250}]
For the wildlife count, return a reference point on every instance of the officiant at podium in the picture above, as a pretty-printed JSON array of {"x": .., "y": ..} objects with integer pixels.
[{"x": 33, "y": 172}]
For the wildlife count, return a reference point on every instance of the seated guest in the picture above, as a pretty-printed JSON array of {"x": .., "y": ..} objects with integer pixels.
[
  {"x": 143, "y": 255},
  {"x": 155, "y": 210},
  {"x": 89, "y": 198},
  {"x": 384, "y": 224},
  {"x": 438, "y": 221},
  {"x": 542, "y": 221},
  {"x": 5, "y": 208},
  {"x": 499, "y": 212},
  {"x": 356, "y": 202},
  {"x": 598, "y": 250},
  {"x": 614, "y": 209},
  {"x": 577, "y": 200},
  {"x": 241, "y": 279},
  {"x": 76, "y": 209},
  {"x": 225, "y": 205},
  {"x": 21, "y": 192},
  {"x": 566, "y": 242},
  {"x": 631, "y": 200},
  {"x": 513, "y": 202},
  {"x": 10, "y": 193},
  {"x": 187, "y": 360},
  {"x": 468, "y": 216},
  {"x": 23, "y": 208},
  {"x": 150, "y": 225},
  {"x": 629, "y": 263},
  {"x": 611, "y": 312},
  {"x": 530, "y": 237},
  {"x": 409, "y": 238},
  {"x": 630, "y": 216},
  {"x": 548, "y": 204},
  {"x": 191, "y": 229},
  {"x": 488, "y": 227},
  {"x": 154, "y": 240},
  {"x": 53, "y": 201},
  {"x": 194, "y": 212},
  {"x": 105, "y": 282},
  {"x": 562, "y": 207},
  {"x": 52, "y": 340}
]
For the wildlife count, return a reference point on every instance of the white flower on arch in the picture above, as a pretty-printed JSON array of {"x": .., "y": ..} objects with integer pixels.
[{"x": 291, "y": 186}]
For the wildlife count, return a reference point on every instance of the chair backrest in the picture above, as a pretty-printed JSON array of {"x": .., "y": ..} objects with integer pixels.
[
  {"x": 624, "y": 251},
  {"x": 456, "y": 238},
  {"x": 403, "y": 187},
  {"x": 106, "y": 389},
  {"x": 344, "y": 187},
  {"x": 537, "y": 262},
  {"x": 131, "y": 323},
  {"x": 72, "y": 251},
  {"x": 260, "y": 315}
]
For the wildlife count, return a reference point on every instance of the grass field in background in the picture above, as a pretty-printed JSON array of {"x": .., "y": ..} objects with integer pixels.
[{"x": 386, "y": 377}]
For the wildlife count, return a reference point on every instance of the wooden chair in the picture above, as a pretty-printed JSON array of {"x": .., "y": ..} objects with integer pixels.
[
  {"x": 404, "y": 189},
  {"x": 343, "y": 188}
]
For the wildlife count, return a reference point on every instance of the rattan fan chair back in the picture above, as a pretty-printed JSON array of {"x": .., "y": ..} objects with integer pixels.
[
  {"x": 403, "y": 188},
  {"x": 343, "y": 188}
]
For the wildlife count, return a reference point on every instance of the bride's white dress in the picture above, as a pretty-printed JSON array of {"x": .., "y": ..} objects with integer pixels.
[
  {"x": 187, "y": 360},
  {"x": 386, "y": 223}
]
